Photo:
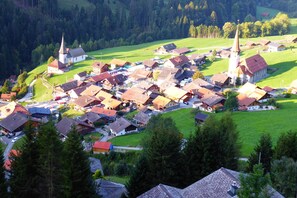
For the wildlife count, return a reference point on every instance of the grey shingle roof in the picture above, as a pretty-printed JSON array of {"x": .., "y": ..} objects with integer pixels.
[
  {"x": 76, "y": 52},
  {"x": 14, "y": 121},
  {"x": 142, "y": 118},
  {"x": 119, "y": 125},
  {"x": 216, "y": 184}
]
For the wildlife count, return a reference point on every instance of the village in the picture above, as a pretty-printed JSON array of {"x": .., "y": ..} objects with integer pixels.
[{"x": 142, "y": 89}]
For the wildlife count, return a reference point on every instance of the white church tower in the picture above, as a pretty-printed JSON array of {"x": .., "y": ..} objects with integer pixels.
[
  {"x": 234, "y": 57},
  {"x": 63, "y": 52}
]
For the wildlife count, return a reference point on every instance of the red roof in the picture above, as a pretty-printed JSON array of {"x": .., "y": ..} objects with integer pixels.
[
  {"x": 8, "y": 96},
  {"x": 101, "y": 111},
  {"x": 255, "y": 63},
  {"x": 57, "y": 64},
  {"x": 14, "y": 153},
  {"x": 179, "y": 60},
  {"x": 100, "y": 77},
  {"x": 7, "y": 164},
  {"x": 268, "y": 89},
  {"x": 102, "y": 145}
]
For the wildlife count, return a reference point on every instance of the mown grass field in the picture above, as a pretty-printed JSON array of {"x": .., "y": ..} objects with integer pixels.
[
  {"x": 250, "y": 125},
  {"x": 41, "y": 93}
]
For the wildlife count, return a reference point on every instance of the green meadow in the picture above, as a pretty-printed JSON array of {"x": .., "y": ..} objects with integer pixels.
[{"x": 250, "y": 125}]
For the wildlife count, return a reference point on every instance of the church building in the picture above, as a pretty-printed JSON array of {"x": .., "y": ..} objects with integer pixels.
[
  {"x": 250, "y": 69},
  {"x": 69, "y": 56}
]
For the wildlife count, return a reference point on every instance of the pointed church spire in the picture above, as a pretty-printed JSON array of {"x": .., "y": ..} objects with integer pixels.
[
  {"x": 62, "y": 48},
  {"x": 235, "y": 47}
]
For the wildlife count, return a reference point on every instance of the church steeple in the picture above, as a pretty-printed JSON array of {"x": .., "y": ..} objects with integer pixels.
[
  {"x": 62, "y": 48},
  {"x": 235, "y": 47},
  {"x": 234, "y": 57}
]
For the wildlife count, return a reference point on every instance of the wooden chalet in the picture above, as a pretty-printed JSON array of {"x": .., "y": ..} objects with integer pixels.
[
  {"x": 100, "y": 67},
  {"x": 66, "y": 125}
]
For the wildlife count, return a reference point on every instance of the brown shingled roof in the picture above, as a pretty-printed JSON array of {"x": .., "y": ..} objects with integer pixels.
[
  {"x": 255, "y": 63},
  {"x": 57, "y": 64}
]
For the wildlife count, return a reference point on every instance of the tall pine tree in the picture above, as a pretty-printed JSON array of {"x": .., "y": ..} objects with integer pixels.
[
  {"x": 24, "y": 176},
  {"x": 263, "y": 154},
  {"x": 162, "y": 153},
  {"x": 3, "y": 183},
  {"x": 79, "y": 182},
  {"x": 214, "y": 145},
  {"x": 51, "y": 171}
]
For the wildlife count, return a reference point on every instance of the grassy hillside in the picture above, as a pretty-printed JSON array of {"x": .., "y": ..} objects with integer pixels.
[
  {"x": 249, "y": 124},
  {"x": 293, "y": 27}
]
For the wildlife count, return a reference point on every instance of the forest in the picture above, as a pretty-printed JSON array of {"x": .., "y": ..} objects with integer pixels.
[{"x": 32, "y": 29}]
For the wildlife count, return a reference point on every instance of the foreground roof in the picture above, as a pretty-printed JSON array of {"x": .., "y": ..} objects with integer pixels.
[{"x": 216, "y": 184}]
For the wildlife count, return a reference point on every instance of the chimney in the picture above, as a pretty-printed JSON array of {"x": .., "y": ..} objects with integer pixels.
[{"x": 233, "y": 189}]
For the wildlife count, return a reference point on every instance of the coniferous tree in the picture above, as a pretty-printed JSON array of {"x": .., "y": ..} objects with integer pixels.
[
  {"x": 79, "y": 182},
  {"x": 287, "y": 145},
  {"x": 3, "y": 183},
  {"x": 214, "y": 145},
  {"x": 24, "y": 176},
  {"x": 162, "y": 154},
  {"x": 51, "y": 171},
  {"x": 139, "y": 181},
  {"x": 284, "y": 176},
  {"x": 254, "y": 184},
  {"x": 263, "y": 154}
]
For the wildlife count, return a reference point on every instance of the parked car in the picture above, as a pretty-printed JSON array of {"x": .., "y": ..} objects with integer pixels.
[{"x": 14, "y": 139}]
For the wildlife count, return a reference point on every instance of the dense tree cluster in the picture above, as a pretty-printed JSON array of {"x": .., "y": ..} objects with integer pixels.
[
  {"x": 32, "y": 29},
  {"x": 46, "y": 167},
  {"x": 279, "y": 162},
  {"x": 168, "y": 161},
  {"x": 276, "y": 26}
]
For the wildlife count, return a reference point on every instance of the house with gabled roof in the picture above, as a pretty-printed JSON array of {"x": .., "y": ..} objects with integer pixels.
[
  {"x": 91, "y": 90},
  {"x": 178, "y": 62},
  {"x": 111, "y": 103},
  {"x": 180, "y": 51},
  {"x": 222, "y": 183},
  {"x": 69, "y": 86},
  {"x": 80, "y": 76},
  {"x": 100, "y": 78},
  {"x": 102, "y": 147},
  {"x": 114, "y": 63},
  {"x": 100, "y": 67},
  {"x": 13, "y": 123},
  {"x": 244, "y": 102},
  {"x": 106, "y": 113},
  {"x": 220, "y": 80},
  {"x": 164, "y": 49},
  {"x": 102, "y": 95},
  {"x": 212, "y": 102},
  {"x": 66, "y": 124},
  {"x": 121, "y": 127},
  {"x": 113, "y": 81},
  {"x": 75, "y": 93},
  {"x": 56, "y": 67},
  {"x": 141, "y": 118},
  {"x": 253, "y": 91},
  {"x": 275, "y": 47},
  {"x": 150, "y": 64},
  {"x": 136, "y": 95},
  {"x": 86, "y": 101},
  {"x": 40, "y": 112},
  {"x": 140, "y": 74},
  {"x": 163, "y": 103},
  {"x": 91, "y": 118},
  {"x": 177, "y": 94}
]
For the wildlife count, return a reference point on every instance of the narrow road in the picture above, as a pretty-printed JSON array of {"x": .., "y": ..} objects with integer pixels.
[
  {"x": 29, "y": 95},
  {"x": 9, "y": 146}
]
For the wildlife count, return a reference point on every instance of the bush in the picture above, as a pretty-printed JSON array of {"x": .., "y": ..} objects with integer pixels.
[{"x": 22, "y": 92}]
